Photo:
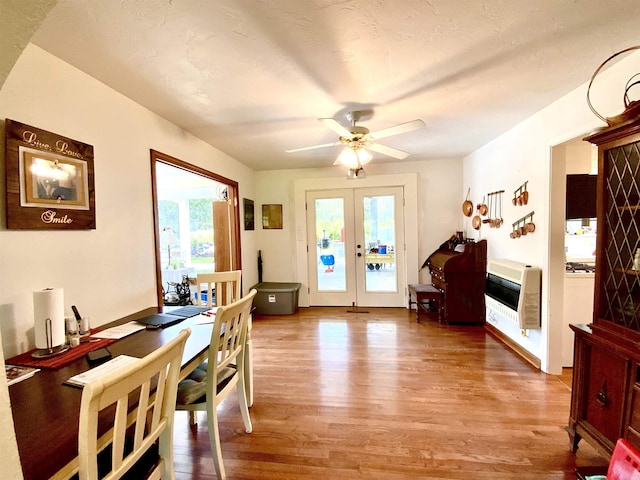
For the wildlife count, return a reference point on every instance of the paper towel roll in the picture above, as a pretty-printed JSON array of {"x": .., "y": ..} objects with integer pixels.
[{"x": 49, "y": 304}]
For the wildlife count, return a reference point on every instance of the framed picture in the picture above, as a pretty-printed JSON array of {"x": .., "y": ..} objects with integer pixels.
[
  {"x": 52, "y": 181},
  {"x": 272, "y": 216},
  {"x": 249, "y": 222},
  {"x": 49, "y": 180}
]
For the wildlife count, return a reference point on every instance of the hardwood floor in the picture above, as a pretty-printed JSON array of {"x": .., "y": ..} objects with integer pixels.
[{"x": 378, "y": 396}]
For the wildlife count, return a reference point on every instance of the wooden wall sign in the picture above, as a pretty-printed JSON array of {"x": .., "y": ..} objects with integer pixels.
[{"x": 49, "y": 180}]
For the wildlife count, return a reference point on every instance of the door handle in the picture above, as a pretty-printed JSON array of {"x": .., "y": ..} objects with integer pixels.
[{"x": 601, "y": 398}]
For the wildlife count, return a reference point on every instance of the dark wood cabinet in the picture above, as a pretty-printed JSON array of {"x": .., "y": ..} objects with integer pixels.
[
  {"x": 605, "y": 403},
  {"x": 461, "y": 277}
]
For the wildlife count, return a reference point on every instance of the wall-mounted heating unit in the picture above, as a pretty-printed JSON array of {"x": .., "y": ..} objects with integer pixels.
[{"x": 513, "y": 290}]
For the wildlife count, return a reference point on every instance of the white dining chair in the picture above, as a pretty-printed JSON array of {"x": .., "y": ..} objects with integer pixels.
[
  {"x": 212, "y": 381},
  {"x": 138, "y": 401},
  {"x": 222, "y": 288}
]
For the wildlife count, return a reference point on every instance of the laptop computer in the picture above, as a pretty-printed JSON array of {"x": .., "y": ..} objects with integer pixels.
[
  {"x": 188, "y": 311},
  {"x": 160, "y": 320}
]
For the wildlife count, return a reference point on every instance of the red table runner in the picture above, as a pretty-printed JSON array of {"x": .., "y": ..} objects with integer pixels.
[{"x": 59, "y": 361}]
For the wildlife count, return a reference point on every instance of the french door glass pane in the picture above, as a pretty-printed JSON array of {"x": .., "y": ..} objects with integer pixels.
[
  {"x": 379, "y": 234},
  {"x": 330, "y": 244}
]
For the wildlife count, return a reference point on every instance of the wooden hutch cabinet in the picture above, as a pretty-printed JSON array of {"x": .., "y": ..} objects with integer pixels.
[{"x": 605, "y": 400}]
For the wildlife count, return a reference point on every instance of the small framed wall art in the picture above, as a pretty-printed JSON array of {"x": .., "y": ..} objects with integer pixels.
[
  {"x": 249, "y": 221},
  {"x": 49, "y": 180},
  {"x": 272, "y": 216}
]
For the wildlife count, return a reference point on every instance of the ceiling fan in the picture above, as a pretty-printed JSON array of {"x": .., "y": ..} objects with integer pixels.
[{"x": 357, "y": 138}]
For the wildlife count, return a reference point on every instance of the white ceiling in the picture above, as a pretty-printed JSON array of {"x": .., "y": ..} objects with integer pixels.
[{"x": 251, "y": 77}]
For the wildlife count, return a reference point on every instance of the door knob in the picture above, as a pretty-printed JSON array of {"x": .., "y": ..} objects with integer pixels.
[
  {"x": 359, "y": 246},
  {"x": 359, "y": 254}
]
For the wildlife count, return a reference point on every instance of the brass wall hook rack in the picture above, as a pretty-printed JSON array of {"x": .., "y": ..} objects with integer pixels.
[
  {"x": 524, "y": 219},
  {"x": 527, "y": 227},
  {"x": 495, "y": 200}
]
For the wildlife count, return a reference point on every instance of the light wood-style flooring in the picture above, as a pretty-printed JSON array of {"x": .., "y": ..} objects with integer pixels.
[{"x": 376, "y": 395}]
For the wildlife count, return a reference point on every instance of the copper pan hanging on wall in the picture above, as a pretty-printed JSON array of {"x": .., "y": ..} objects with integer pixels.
[
  {"x": 476, "y": 222},
  {"x": 467, "y": 205},
  {"x": 482, "y": 208},
  {"x": 525, "y": 195}
]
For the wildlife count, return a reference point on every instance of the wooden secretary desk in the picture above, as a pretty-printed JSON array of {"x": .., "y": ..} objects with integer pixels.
[{"x": 605, "y": 400}]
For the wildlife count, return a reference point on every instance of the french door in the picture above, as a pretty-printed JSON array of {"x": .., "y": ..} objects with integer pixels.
[{"x": 355, "y": 241}]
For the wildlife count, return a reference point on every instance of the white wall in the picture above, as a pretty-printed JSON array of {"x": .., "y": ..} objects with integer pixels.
[
  {"x": 581, "y": 158},
  {"x": 437, "y": 214},
  {"x": 524, "y": 154},
  {"x": 108, "y": 272}
]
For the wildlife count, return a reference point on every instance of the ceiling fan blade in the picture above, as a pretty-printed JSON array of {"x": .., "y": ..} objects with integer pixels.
[
  {"x": 391, "y": 152},
  {"x": 398, "y": 129},
  {"x": 335, "y": 126},
  {"x": 312, "y": 147}
]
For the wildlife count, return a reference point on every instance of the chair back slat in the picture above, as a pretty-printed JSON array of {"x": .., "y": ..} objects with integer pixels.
[
  {"x": 119, "y": 431},
  {"x": 141, "y": 415},
  {"x": 158, "y": 404}
]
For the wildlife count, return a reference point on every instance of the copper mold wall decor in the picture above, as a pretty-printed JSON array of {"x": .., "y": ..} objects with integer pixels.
[{"x": 49, "y": 180}]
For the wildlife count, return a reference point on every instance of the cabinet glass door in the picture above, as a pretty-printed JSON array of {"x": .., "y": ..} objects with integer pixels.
[{"x": 620, "y": 266}]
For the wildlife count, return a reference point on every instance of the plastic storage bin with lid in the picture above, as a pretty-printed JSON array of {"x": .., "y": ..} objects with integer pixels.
[{"x": 276, "y": 298}]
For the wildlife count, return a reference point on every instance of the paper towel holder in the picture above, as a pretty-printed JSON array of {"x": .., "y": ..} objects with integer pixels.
[{"x": 51, "y": 350}]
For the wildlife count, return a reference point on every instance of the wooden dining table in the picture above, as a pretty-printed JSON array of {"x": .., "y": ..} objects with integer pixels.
[{"x": 46, "y": 411}]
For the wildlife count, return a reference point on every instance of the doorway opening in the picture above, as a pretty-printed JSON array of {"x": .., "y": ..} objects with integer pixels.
[
  {"x": 571, "y": 243},
  {"x": 196, "y": 224}
]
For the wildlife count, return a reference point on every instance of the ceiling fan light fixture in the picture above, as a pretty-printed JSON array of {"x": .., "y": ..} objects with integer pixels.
[
  {"x": 354, "y": 157},
  {"x": 358, "y": 140},
  {"x": 363, "y": 156},
  {"x": 348, "y": 157}
]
